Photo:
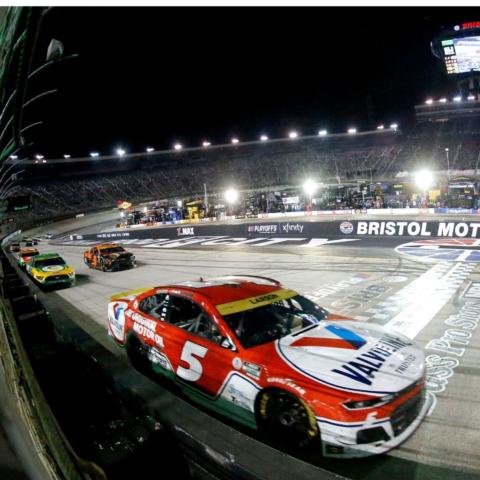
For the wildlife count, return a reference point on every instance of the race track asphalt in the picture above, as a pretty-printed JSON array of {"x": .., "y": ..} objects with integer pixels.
[{"x": 436, "y": 303}]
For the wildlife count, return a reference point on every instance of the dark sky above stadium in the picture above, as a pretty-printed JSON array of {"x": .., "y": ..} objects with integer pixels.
[{"x": 154, "y": 76}]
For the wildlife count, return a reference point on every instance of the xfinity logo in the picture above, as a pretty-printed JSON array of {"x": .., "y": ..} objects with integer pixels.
[
  {"x": 292, "y": 227},
  {"x": 185, "y": 231}
]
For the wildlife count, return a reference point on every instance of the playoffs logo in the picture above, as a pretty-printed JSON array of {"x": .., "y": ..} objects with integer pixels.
[
  {"x": 263, "y": 229},
  {"x": 185, "y": 231}
]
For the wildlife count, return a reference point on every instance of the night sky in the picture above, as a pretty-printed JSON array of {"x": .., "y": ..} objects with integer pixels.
[{"x": 154, "y": 76}]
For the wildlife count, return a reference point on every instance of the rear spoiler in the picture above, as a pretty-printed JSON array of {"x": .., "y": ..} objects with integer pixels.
[{"x": 130, "y": 293}]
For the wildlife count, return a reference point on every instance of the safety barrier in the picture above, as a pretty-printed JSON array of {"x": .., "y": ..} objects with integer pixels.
[{"x": 23, "y": 392}]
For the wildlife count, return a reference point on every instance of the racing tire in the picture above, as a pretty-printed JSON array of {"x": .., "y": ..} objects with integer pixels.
[
  {"x": 137, "y": 354},
  {"x": 87, "y": 263},
  {"x": 284, "y": 418}
]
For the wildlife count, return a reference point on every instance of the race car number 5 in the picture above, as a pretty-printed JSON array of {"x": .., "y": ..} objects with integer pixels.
[{"x": 189, "y": 353}]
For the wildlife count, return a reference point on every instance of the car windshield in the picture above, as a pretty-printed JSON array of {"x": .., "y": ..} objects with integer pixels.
[
  {"x": 48, "y": 262},
  {"x": 264, "y": 324},
  {"x": 109, "y": 250}
]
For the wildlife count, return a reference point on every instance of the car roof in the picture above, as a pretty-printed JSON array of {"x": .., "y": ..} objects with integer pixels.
[
  {"x": 28, "y": 250},
  {"x": 229, "y": 289},
  {"x": 101, "y": 246},
  {"x": 47, "y": 255}
]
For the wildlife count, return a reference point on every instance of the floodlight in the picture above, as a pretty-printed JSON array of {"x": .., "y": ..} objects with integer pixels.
[
  {"x": 66, "y": 155},
  {"x": 424, "y": 179},
  {"x": 150, "y": 149},
  {"x": 231, "y": 195},
  {"x": 13, "y": 157},
  {"x": 263, "y": 138},
  {"x": 235, "y": 140},
  {"x": 443, "y": 100},
  {"x": 471, "y": 97},
  {"x": 352, "y": 131},
  {"x": 94, "y": 154},
  {"x": 206, "y": 144},
  {"x": 394, "y": 126},
  {"x": 293, "y": 134},
  {"x": 309, "y": 187},
  {"x": 380, "y": 127},
  {"x": 458, "y": 98},
  {"x": 429, "y": 101},
  {"x": 322, "y": 133},
  {"x": 39, "y": 157},
  {"x": 178, "y": 146},
  {"x": 120, "y": 152}
]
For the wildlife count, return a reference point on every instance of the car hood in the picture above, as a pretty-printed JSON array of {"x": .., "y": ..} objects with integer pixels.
[
  {"x": 354, "y": 356},
  {"x": 53, "y": 270}
]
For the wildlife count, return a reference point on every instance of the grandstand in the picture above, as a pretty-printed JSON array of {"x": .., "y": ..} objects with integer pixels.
[{"x": 371, "y": 157}]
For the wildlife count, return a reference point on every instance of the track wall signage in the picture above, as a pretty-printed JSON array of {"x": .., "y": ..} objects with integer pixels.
[{"x": 304, "y": 230}]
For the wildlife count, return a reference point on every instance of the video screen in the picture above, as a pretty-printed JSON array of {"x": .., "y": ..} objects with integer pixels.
[{"x": 462, "y": 55}]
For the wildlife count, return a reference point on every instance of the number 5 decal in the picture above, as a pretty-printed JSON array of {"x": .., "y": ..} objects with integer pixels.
[{"x": 195, "y": 369}]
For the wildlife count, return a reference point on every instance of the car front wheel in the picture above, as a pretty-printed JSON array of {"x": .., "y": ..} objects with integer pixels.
[
  {"x": 137, "y": 354},
  {"x": 287, "y": 419}
]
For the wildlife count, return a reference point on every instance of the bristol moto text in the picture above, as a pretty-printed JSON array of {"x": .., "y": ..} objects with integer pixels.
[{"x": 273, "y": 360}]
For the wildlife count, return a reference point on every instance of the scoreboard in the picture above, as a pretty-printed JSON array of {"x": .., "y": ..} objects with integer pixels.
[
  {"x": 462, "y": 55},
  {"x": 459, "y": 48}
]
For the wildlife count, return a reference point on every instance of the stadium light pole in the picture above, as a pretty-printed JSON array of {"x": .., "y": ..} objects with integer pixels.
[{"x": 448, "y": 164}]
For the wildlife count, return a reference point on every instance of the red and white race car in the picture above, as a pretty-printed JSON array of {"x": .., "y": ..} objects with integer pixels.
[{"x": 272, "y": 359}]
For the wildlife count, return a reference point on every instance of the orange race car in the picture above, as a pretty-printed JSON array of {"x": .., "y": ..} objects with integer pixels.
[{"x": 109, "y": 257}]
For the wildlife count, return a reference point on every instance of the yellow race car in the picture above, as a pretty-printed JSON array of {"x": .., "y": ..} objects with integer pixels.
[{"x": 50, "y": 269}]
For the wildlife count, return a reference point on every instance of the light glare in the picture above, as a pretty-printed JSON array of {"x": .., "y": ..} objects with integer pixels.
[
  {"x": 293, "y": 134},
  {"x": 231, "y": 195},
  {"x": 424, "y": 179},
  {"x": 309, "y": 187}
]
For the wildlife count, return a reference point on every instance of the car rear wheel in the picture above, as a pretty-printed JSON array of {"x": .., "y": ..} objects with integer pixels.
[{"x": 287, "y": 419}]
